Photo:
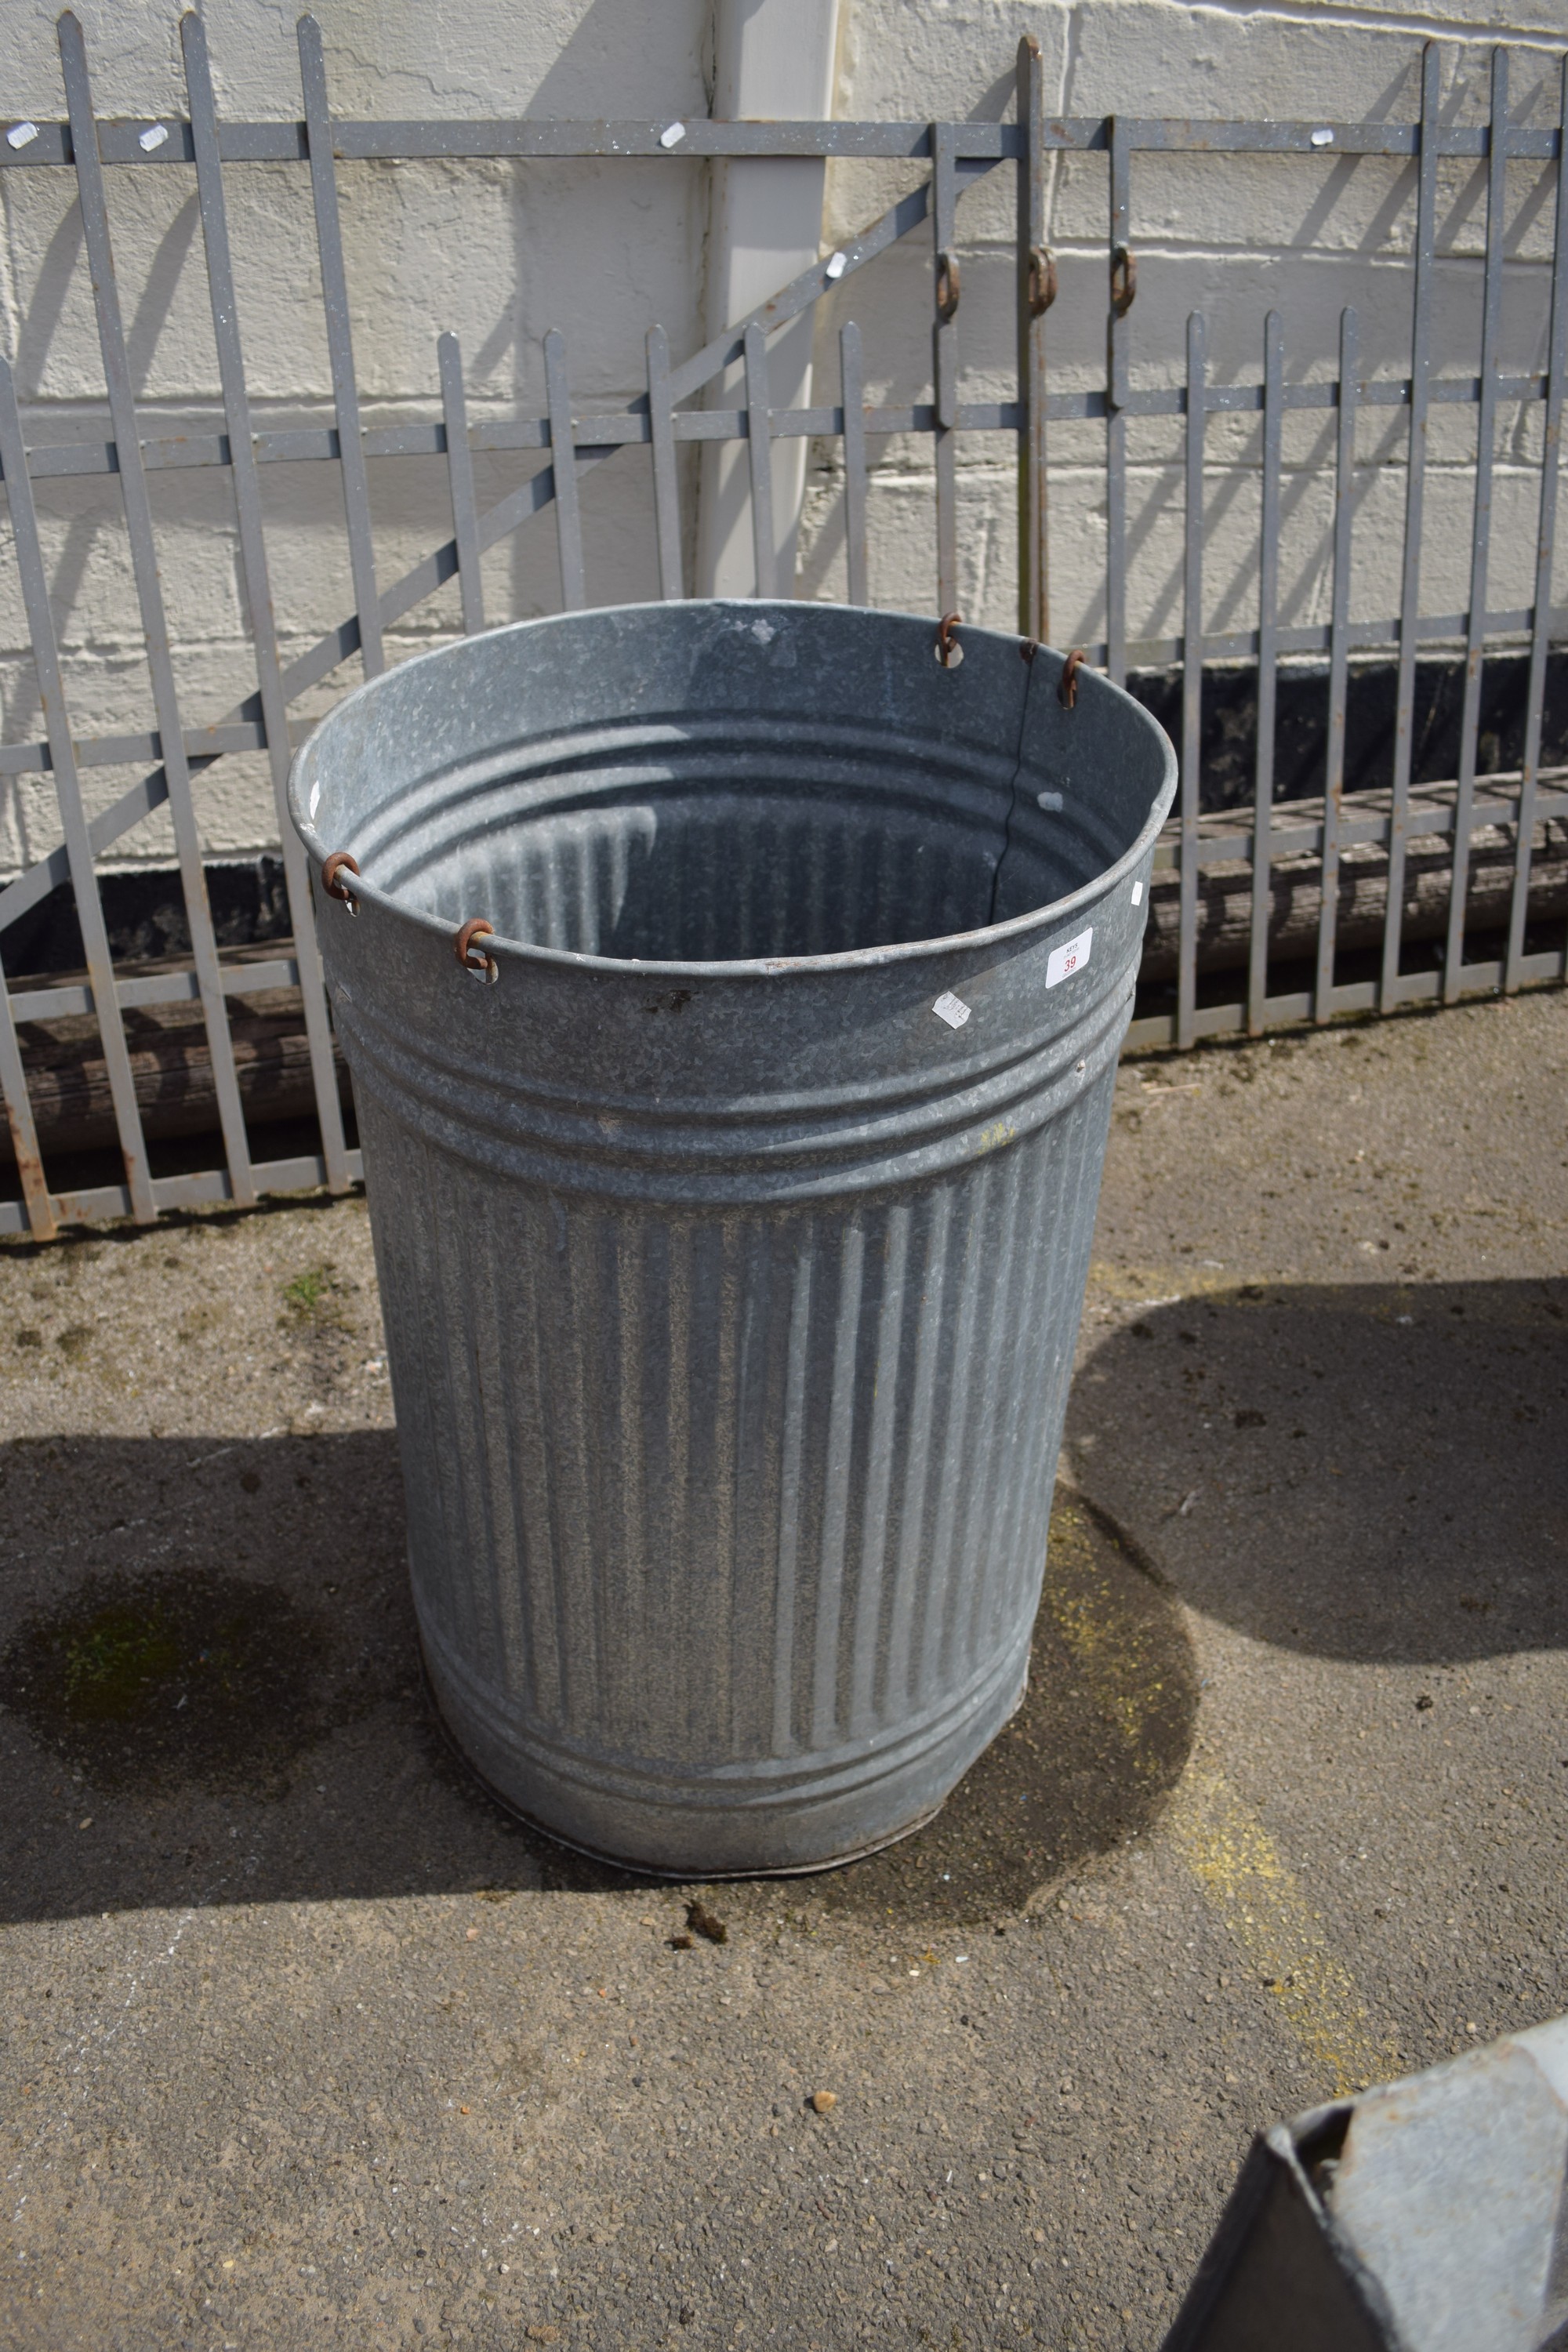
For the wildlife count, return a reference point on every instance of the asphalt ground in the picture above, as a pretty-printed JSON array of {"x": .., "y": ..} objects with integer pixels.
[{"x": 306, "y": 2043}]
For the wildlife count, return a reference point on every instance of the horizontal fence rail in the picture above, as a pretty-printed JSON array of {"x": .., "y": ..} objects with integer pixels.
[{"x": 1239, "y": 878}]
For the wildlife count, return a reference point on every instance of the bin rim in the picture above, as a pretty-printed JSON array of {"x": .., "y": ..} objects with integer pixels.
[{"x": 503, "y": 948}]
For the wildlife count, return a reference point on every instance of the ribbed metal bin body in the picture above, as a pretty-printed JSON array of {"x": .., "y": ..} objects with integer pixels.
[{"x": 731, "y": 1289}]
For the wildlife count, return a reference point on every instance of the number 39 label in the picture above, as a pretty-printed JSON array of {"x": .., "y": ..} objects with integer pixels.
[{"x": 1070, "y": 956}]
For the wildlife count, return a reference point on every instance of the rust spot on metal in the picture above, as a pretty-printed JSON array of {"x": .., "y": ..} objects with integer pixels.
[
  {"x": 35, "y": 1185},
  {"x": 1123, "y": 281},
  {"x": 948, "y": 285},
  {"x": 1067, "y": 684},
  {"x": 1027, "y": 649},
  {"x": 948, "y": 648}
]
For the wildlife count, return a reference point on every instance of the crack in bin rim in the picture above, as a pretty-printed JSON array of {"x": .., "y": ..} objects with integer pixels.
[{"x": 522, "y": 952}]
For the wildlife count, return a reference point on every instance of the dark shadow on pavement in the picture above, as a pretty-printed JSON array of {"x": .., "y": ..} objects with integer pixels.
[
  {"x": 1374, "y": 1472},
  {"x": 210, "y": 1693}
]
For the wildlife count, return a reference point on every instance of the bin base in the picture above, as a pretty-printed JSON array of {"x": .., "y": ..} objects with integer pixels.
[
  {"x": 737, "y": 1841},
  {"x": 653, "y": 1870}
]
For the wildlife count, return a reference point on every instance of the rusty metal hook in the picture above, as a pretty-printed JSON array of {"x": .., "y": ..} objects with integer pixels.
[
  {"x": 948, "y": 285},
  {"x": 1042, "y": 280},
  {"x": 949, "y": 652},
  {"x": 1067, "y": 684},
  {"x": 486, "y": 966},
  {"x": 340, "y": 862},
  {"x": 1123, "y": 281}
]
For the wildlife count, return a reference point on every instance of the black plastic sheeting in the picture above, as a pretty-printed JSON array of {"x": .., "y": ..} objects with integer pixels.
[{"x": 1229, "y": 734}]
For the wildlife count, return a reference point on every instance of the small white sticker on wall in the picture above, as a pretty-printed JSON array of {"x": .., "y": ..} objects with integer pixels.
[
  {"x": 1070, "y": 956},
  {"x": 1137, "y": 894},
  {"x": 952, "y": 1009},
  {"x": 153, "y": 138},
  {"x": 21, "y": 135}
]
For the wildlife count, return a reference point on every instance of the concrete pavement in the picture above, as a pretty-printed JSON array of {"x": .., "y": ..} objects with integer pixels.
[{"x": 306, "y": 2043}]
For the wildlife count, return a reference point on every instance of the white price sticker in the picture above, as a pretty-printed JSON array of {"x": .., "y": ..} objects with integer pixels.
[
  {"x": 952, "y": 1009},
  {"x": 1070, "y": 956}
]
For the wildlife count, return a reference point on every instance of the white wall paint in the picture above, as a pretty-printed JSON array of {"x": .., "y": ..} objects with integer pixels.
[{"x": 501, "y": 252}]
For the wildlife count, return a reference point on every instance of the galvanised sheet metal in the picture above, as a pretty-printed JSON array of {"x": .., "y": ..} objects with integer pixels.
[
  {"x": 732, "y": 1219},
  {"x": 1428, "y": 2215}
]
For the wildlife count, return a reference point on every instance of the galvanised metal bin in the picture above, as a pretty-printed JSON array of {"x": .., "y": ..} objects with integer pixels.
[{"x": 733, "y": 1194}]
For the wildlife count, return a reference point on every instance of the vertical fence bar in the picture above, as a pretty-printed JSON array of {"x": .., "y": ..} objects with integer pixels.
[
  {"x": 339, "y": 344},
  {"x": 852, "y": 382},
  {"x": 1545, "y": 545},
  {"x": 19, "y": 1118},
  {"x": 1415, "y": 499},
  {"x": 944, "y": 363},
  {"x": 460, "y": 481},
  {"x": 1123, "y": 282},
  {"x": 760, "y": 447},
  {"x": 73, "y": 816},
  {"x": 1191, "y": 678},
  {"x": 661, "y": 437},
  {"x": 1481, "y": 528},
  {"x": 1268, "y": 669},
  {"x": 1034, "y": 298},
  {"x": 1339, "y": 663},
  {"x": 564, "y": 473},
  {"x": 138, "y": 511},
  {"x": 258, "y": 589}
]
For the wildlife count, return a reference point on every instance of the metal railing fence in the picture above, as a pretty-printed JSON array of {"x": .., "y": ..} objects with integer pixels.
[{"x": 1277, "y": 835}]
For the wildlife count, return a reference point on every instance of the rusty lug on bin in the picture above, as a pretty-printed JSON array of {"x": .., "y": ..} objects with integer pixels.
[
  {"x": 483, "y": 967},
  {"x": 1042, "y": 280},
  {"x": 949, "y": 652},
  {"x": 340, "y": 862},
  {"x": 948, "y": 285},
  {"x": 1123, "y": 281},
  {"x": 1067, "y": 684}
]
